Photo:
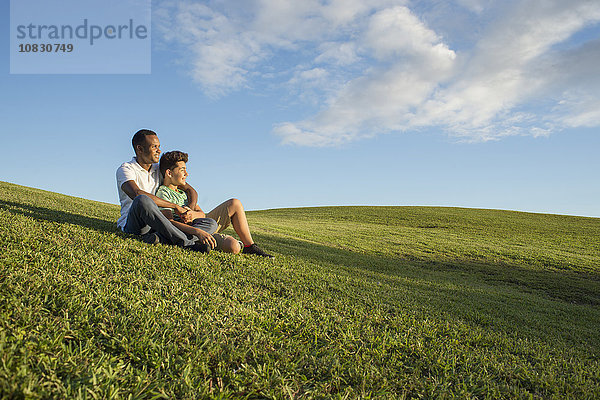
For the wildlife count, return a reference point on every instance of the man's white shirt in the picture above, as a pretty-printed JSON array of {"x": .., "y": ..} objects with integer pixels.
[{"x": 148, "y": 181}]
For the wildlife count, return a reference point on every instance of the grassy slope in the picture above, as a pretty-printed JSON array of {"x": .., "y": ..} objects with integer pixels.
[{"x": 360, "y": 302}]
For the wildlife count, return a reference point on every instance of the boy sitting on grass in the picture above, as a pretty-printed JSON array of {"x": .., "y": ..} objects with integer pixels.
[{"x": 206, "y": 227}]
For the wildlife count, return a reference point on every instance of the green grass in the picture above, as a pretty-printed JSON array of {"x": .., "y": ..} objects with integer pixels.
[{"x": 361, "y": 302}]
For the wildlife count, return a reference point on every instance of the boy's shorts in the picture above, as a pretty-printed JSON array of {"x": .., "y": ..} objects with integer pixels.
[{"x": 221, "y": 215}]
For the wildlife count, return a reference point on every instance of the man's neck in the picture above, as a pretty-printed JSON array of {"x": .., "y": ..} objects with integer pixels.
[{"x": 143, "y": 164}]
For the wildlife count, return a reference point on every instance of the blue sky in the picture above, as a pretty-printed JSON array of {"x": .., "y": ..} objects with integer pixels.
[{"x": 470, "y": 103}]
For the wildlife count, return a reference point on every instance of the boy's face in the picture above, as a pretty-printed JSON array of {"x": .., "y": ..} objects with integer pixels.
[{"x": 178, "y": 174}]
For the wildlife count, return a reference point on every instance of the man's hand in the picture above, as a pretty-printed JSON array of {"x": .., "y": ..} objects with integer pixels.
[
  {"x": 185, "y": 214},
  {"x": 207, "y": 238}
]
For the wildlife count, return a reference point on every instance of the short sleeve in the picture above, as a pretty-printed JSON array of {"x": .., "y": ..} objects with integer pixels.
[
  {"x": 125, "y": 173},
  {"x": 165, "y": 194}
]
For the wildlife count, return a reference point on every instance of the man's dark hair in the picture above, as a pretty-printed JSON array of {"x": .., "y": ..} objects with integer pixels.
[
  {"x": 140, "y": 137},
  {"x": 170, "y": 159}
]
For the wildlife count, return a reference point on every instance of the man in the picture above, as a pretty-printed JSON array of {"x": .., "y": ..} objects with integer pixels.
[{"x": 138, "y": 180}]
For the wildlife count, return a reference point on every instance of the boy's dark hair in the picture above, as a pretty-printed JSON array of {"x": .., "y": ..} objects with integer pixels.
[
  {"x": 140, "y": 137},
  {"x": 170, "y": 159}
]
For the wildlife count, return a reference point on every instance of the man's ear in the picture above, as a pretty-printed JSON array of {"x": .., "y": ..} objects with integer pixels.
[{"x": 169, "y": 173}]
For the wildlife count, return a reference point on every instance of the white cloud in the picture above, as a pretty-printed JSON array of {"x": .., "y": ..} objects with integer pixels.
[
  {"x": 219, "y": 55},
  {"x": 475, "y": 5},
  {"x": 342, "y": 53},
  {"x": 579, "y": 110},
  {"x": 395, "y": 32},
  {"x": 386, "y": 97},
  {"x": 313, "y": 77},
  {"x": 224, "y": 43},
  {"x": 503, "y": 72},
  {"x": 378, "y": 67}
]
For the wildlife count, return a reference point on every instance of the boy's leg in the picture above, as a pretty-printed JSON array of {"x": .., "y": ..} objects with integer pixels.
[
  {"x": 145, "y": 217},
  {"x": 227, "y": 243},
  {"x": 232, "y": 212},
  {"x": 208, "y": 225}
]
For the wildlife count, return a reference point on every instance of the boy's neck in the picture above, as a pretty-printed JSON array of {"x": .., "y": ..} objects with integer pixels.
[{"x": 167, "y": 182}]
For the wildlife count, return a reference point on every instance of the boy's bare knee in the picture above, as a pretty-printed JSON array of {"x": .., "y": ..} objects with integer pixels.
[
  {"x": 231, "y": 245},
  {"x": 234, "y": 204}
]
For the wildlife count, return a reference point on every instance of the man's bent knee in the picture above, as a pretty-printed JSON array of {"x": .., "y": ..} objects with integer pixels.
[{"x": 143, "y": 201}]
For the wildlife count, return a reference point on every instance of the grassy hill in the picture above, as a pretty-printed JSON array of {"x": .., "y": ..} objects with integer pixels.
[{"x": 361, "y": 302}]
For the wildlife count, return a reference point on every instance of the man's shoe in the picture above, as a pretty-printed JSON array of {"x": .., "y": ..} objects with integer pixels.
[
  {"x": 200, "y": 247},
  {"x": 151, "y": 238},
  {"x": 254, "y": 249}
]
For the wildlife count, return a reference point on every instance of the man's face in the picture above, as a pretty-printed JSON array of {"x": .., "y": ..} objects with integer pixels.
[
  {"x": 179, "y": 174},
  {"x": 150, "y": 150}
]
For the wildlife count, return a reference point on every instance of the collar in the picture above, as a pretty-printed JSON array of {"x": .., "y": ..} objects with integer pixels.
[
  {"x": 153, "y": 168},
  {"x": 176, "y": 190}
]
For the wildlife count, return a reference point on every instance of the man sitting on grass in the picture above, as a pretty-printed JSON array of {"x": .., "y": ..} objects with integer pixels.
[{"x": 173, "y": 169}]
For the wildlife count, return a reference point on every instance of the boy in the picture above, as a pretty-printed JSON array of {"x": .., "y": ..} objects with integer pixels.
[{"x": 173, "y": 168}]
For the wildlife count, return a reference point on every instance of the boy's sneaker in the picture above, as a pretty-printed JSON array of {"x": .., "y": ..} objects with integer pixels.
[
  {"x": 151, "y": 238},
  {"x": 200, "y": 247},
  {"x": 254, "y": 249}
]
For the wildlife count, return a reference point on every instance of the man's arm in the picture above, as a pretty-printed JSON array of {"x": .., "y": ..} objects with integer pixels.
[
  {"x": 133, "y": 190},
  {"x": 192, "y": 197}
]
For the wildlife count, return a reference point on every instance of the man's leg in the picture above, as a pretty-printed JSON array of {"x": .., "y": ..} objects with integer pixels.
[{"x": 144, "y": 217}]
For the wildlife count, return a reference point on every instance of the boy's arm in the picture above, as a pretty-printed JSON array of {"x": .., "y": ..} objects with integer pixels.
[
  {"x": 197, "y": 213},
  {"x": 203, "y": 236},
  {"x": 194, "y": 214},
  {"x": 133, "y": 190}
]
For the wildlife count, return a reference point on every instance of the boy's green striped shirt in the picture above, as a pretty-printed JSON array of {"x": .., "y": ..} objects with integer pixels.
[{"x": 174, "y": 196}]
